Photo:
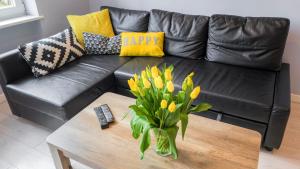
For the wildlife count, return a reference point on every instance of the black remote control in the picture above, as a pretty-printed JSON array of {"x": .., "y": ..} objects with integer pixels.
[
  {"x": 102, "y": 119},
  {"x": 107, "y": 113}
]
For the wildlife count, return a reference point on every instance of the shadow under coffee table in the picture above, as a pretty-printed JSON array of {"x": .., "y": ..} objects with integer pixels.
[{"x": 208, "y": 144}]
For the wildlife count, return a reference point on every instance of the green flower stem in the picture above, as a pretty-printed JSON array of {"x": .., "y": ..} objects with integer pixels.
[
  {"x": 161, "y": 120},
  {"x": 188, "y": 105}
]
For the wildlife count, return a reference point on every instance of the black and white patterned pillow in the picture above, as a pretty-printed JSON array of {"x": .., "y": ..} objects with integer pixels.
[
  {"x": 48, "y": 54},
  {"x": 101, "y": 45}
]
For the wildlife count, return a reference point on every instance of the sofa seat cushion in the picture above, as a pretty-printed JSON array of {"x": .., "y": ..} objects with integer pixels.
[
  {"x": 136, "y": 65},
  {"x": 240, "y": 92},
  {"x": 66, "y": 91},
  {"x": 109, "y": 63}
]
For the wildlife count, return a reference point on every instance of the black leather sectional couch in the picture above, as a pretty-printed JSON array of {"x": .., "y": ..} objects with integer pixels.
[{"x": 237, "y": 62}]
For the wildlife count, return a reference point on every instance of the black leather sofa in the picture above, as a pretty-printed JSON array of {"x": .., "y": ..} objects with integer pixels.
[{"x": 237, "y": 62}]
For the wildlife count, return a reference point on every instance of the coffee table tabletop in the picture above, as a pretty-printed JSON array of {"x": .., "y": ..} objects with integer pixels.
[{"x": 208, "y": 144}]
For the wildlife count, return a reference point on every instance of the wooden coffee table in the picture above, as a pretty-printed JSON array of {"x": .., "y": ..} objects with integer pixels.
[{"x": 208, "y": 144}]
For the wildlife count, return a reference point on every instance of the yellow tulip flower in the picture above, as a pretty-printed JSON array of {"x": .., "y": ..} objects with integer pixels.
[
  {"x": 144, "y": 74},
  {"x": 191, "y": 75},
  {"x": 158, "y": 82},
  {"x": 189, "y": 81},
  {"x": 184, "y": 86},
  {"x": 146, "y": 83},
  {"x": 132, "y": 85},
  {"x": 164, "y": 104},
  {"x": 168, "y": 74},
  {"x": 172, "y": 107},
  {"x": 136, "y": 78},
  {"x": 170, "y": 86},
  {"x": 154, "y": 71},
  {"x": 195, "y": 93}
]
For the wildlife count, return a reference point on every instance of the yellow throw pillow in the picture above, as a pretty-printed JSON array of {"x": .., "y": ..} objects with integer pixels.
[
  {"x": 142, "y": 44},
  {"x": 96, "y": 22}
]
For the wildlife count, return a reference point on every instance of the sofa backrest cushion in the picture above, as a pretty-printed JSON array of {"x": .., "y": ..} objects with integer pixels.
[
  {"x": 126, "y": 20},
  {"x": 185, "y": 35},
  {"x": 256, "y": 42},
  {"x": 12, "y": 67}
]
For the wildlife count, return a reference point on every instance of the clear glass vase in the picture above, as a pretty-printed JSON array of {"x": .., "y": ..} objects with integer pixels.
[{"x": 162, "y": 146}]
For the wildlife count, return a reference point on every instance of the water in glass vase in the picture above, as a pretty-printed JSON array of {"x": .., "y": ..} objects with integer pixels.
[{"x": 162, "y": 146}]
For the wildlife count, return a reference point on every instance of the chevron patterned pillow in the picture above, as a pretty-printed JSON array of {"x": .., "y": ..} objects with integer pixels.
[{"x": 48, "y": 54}]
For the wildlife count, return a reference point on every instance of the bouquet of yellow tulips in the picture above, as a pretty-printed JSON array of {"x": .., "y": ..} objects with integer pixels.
[{"x": 159, "y": 108}]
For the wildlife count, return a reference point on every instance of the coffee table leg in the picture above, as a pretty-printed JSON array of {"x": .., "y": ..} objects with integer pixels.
[{"x": 60, "y": 161}]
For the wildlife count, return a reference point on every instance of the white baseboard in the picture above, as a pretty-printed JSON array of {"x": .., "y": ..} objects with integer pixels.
[
  {"x": 2, "y": 98},
  {"x": 295, "y": 98}
]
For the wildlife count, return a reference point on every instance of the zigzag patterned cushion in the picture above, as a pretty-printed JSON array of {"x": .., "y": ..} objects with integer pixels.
[
  {"x": 101, "y": 45},
  {"x": 48, "y": 54}
]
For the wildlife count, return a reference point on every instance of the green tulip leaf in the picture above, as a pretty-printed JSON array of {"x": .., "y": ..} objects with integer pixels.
[
  {"x": 140, "y": 126},
  {"x": 173, "y": 118},
  {"x": 171, "y": 67},
  {"x": 138, "y": 123},
  {"x": 141, "y": 111},
  {"x": 167, "y": 96},
  {"x": 172, "y": 132},
  {"x": 201, "y": 107},
  {"x": 184, "y": 122},
  {"x": 181, "y": 96},
  {"x": 145, "y": 141}
]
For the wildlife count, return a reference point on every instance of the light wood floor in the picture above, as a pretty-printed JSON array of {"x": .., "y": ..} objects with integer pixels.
[{"x": 22, "y": 144}]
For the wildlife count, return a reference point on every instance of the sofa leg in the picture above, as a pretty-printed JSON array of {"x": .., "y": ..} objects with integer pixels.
[{"x": 268, "y": 148}]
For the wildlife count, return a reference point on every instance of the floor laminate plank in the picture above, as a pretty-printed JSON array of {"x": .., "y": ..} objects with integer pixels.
[
  {"x": 22, "y": 156},
  {"x": 14, "y": 150},
  {"x": 25, "y": 131}
]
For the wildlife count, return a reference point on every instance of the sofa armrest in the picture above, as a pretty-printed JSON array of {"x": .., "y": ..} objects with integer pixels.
[
  {"x": 281, "y": 108},
  {"x": 12, "y": 67}
]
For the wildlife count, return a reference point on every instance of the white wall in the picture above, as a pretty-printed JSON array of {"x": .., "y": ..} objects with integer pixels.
[
  {"x": 280, "y": 8},
  {"x": 54, "y": 11}
]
